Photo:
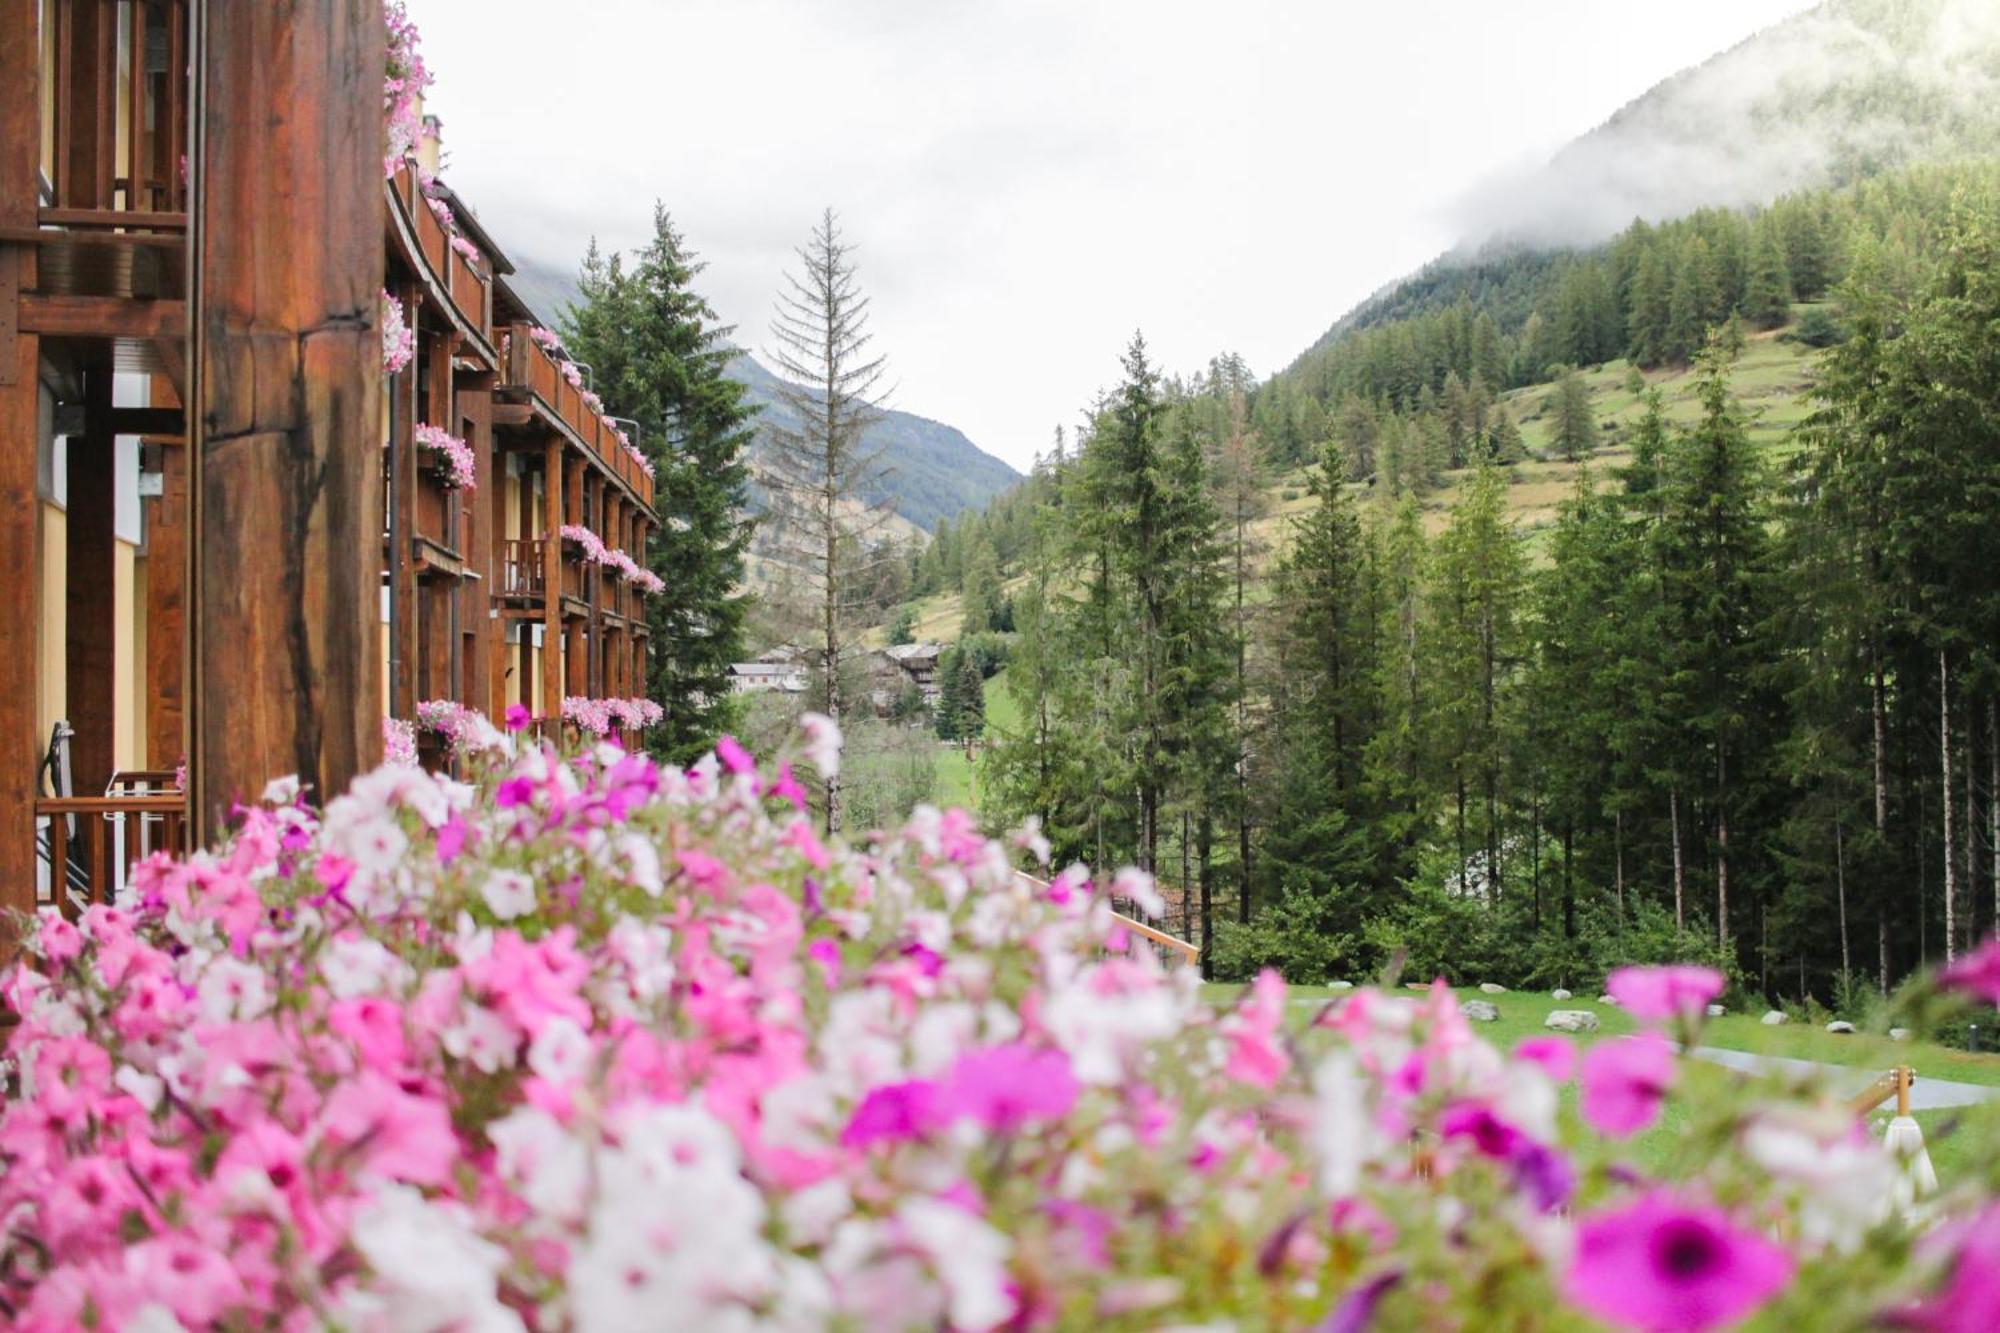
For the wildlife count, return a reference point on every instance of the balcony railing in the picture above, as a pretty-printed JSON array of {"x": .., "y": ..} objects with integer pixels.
[
  {"x": 469, "y": 285},
  {"x": 89, "y": 844},
  {"x": 530, "y": 367},
  {"x": 521, "y": 566},
  {"x": 117, "y": 86}
]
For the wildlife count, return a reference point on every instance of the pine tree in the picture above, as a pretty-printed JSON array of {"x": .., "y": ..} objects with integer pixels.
[
  {"x": 1652, "y": 287},
  {"x": 1503, "y": 438},
  {"x": 979, "y": 595},
  {"x": 660, "y": 358}
]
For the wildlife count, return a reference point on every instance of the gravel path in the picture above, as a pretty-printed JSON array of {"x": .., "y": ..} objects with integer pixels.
[{"x": 1926, "y": 1094}]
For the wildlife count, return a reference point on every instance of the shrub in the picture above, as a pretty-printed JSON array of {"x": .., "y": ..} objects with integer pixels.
[{"x": 593, "y": 1044}]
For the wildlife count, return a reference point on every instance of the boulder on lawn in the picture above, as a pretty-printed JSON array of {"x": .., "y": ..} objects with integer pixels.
[
  {"x": 1559, "y": 994},
  {"x": 1899, "y": 1034},
  {"x": 1774, "y": 1018},
  {"x": 1716, "y": 1011},
  {"x": 1840, "y": 1027},
  {"x": 1571, "y": 1020},
  {"x": 1608, "y": 999},
  {"x": 1492, "y": 988},
  {"x": 1340, "y": 985},
  {"x": 1480, "y": 1011}
]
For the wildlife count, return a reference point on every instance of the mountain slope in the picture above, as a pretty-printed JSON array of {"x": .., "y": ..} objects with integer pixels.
[{"x": 933, "y": 472}]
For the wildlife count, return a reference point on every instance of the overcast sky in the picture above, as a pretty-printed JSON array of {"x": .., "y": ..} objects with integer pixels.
[{"x": 1030, "y": 180}]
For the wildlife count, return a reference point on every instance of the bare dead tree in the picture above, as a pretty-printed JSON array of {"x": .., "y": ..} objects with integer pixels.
[{"x": 820, "y": 467}]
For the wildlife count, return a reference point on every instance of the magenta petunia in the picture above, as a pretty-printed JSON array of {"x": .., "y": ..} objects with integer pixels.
[
  {"x": 1968, "y": 1299},
  {"x": 1978, "y": 973},
  {"x": 518, "y": 717},
  {"x": 894, "y": 1113},
  {"x": 1655, "y": 994},
  {"x": 1670, "y": 1267},
  {"x": 1555, "y": 1055},
  {"x": 1624, "y": 1082},
  {"x": 1005, "y": 1087},
  {"x": 733, "y": 756}
]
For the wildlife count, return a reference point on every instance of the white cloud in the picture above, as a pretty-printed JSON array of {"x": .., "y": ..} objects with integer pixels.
[{"x": 1029, "y": 180}]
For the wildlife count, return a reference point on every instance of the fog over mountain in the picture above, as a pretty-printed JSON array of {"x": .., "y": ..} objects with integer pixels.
[{"x": 1849, "y": 88}]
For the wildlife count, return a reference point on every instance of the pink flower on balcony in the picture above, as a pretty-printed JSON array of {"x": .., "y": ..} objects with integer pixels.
[
  {"x": 404, "y": 80},
  {"x": 546, "y": 340},
  {"x": 399, "y": 340},
  {"x": 466, "y": 249},
  {"x": 399, "y": 742},
  {"x": 460, "y": 466}
]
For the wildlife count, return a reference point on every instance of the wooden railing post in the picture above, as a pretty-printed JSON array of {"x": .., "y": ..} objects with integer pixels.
[{"x": 285, "y": 464}]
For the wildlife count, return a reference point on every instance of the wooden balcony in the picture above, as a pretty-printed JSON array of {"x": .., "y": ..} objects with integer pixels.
[
  {"x": 89, "y": 844},
  {"x": 462, "y": 288},
  {"x": 530, "y": 369},
  {"x": 520, "y": 567}
]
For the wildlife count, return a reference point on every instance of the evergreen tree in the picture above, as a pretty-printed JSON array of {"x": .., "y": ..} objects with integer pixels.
[
  {"x": 1652, "y": 288},
  {"x": 1695, "y": 304},
  {"x": 1575, "y": 429},
  {"x": 979, "y": 595},
  {"x": 1767, "y": 301},
  {"x": 660, "y": 358}
]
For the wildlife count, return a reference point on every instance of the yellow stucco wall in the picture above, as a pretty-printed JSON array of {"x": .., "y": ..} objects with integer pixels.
[
  {"x": 126, "y": 648},
  {"x": 51, "y": 692}
]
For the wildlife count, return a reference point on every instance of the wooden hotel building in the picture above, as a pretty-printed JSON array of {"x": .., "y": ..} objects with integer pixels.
[{"x": 239, "y": 526}]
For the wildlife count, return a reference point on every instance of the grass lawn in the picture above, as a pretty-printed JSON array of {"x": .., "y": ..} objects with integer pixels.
[{"x": 1952, "y": 1135}]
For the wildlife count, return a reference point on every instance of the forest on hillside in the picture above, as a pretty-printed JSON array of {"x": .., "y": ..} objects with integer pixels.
[{"x": 1738, "y": 703}]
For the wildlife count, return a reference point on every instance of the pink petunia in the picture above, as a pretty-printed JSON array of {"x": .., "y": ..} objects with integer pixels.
[
  {"x": 894, "y": 1113},
  {"x": 734, "y": 757},
  {"x": 1659, "y": 1264},
  {"x": 1004, "y": 1087},
  {"x": 1624, "y": 1082},
  {"x": 1969, "y": 1297},
  {"x": 1555, "y": 1055},
  {"x": 1656, "y": 994},
  {"x": 1256, "y": 1056},
  {"x": 1978, "y": 973},
  {"x": 518, "y": 717}
]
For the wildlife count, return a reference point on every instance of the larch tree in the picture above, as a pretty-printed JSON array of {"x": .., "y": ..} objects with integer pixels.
[{"x": 821, "y": 464}]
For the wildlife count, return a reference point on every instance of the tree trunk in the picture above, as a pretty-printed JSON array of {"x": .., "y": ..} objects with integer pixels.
[
  {"x": 1878, "y": 707},
  {"x": 1618, "y": 860},
  {"x": 1840, "y": 887},
  {"x": 1993, "y": 802},
  {"x": 1944, "y": 765},
  {"x": 1207, "y": 872},
  {"x": 1680, "y": 869}
]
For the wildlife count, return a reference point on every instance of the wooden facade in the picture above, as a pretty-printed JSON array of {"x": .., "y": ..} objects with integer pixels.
[{"x": 225, "y": 544}]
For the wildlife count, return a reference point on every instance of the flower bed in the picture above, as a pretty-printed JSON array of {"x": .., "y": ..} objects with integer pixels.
[{"x": 595, "y": 1044}]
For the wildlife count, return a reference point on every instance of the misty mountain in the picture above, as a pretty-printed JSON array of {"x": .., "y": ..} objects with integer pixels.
[
  {"x": 932, "y": 471},
  {"x": 1847, "y": 90}
]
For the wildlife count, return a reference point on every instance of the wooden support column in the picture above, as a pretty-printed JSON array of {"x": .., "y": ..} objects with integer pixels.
[
  {"x": 285, "y": 456},
  {"x": 552, "y": 577},
  {"x": 91, "y": 634},
  {"x": 166, "y": 606},
  {"x": 406, "y": 613},
  {"x": 480, "y": 631},
  {"x": 20, "y": 447},
  {"x": 87, "y": 62}
]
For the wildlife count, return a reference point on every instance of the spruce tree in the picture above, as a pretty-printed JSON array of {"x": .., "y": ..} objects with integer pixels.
[{"x": 660, "y": 358}]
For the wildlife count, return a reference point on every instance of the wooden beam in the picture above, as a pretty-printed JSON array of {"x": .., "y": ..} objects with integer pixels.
[
  {"x": 91, "y": 626},
  {"x": 285, "y": 456},
  {"x": 20, "y": 449},
  {"x": 475, "y": 414},
  {"x": 103, "y": 317}
]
